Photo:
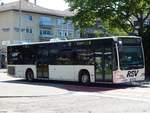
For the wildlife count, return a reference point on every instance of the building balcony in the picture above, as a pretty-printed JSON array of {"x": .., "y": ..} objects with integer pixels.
[
  {"x": 44, "y": 24},
  {"x": 45, "y": 37}
]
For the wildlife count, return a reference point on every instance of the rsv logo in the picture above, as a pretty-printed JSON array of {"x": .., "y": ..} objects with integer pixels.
[{"x": 132, "y": 73}]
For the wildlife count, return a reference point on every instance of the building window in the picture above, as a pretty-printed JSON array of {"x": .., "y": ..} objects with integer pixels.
[
  {"x": 60, "y": 33},
  {"x": 41, "y": 32},
  {"x": 45, "y": 32},
  {"x": 70, "y": 24},
  {"x": 65, "y": 34},
  {"x": 23, "y": 29},
  {"x": 60, "y": 21},
  {"x": 45, "y": 20},
  {"x": 29, "y": 30},
  {"x": 5, "y": 29},
  {"x": 70, "y": 33},
  {"x": 16, "y": 29},
  {"x": 28, "y": 17},
  {"x": 48, "y": 32}
]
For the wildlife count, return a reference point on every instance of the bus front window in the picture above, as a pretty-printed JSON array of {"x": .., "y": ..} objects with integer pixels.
[{"x": 131, "y": 57}]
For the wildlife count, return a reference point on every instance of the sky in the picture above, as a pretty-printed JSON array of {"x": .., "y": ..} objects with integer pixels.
[{"x": 51, "y": 4}]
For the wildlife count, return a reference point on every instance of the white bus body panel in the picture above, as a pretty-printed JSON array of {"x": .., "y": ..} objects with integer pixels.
[
  {"x": 57, "y": 72},
  {"x": 20, "y": 70},
  {"x": 69, "y": 73},
  {"x": 124, "y": 76}
]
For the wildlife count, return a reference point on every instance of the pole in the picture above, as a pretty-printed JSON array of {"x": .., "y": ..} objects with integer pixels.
[
  {"x": 35, "y": 2},
  {"x": 20, "y": 21}
]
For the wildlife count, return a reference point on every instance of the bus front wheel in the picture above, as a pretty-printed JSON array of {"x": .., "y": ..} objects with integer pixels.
[
  {"x": 85, "y": 78},
  {"x": 29, "y": 75}
]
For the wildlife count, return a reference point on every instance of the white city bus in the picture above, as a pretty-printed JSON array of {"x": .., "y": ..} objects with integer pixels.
[{"x": 106, "y": 59}]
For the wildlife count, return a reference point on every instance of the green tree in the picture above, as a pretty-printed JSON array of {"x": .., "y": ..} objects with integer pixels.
[
  {"x": 118, "y": 13},
  {"x": 116, "y": 16}
]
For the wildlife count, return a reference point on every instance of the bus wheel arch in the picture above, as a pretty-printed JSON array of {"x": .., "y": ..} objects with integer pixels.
[
  {"x": 29, "y": 74},
  {"x": 84, "y": 76}
]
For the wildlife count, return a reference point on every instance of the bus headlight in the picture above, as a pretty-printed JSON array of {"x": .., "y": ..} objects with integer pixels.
[{"x": 142, "y": 74}]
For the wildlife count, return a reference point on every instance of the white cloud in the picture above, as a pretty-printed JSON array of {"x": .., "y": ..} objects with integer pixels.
[{"x": 51, "y": 4}]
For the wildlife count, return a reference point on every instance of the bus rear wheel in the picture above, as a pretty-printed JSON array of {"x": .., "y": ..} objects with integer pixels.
[
  {"x": 85, "y": 78},
  {"x": 29, "y": 75}
]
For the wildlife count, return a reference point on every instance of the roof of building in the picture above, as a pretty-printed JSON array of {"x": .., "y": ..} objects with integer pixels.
[{"x": 30, "y": 7}]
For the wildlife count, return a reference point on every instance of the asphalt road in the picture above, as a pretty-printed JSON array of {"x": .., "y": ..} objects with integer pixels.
[{"x": 19, "y": 96}]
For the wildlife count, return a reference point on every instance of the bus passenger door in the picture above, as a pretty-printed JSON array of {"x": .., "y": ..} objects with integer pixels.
[
  {"x": 99, "y": 67},
  {"x": 42, "y": 71},
  {"x": 108, "y": 66},
  {"x": 103, "y": 65},
  {"x": 42, "y": 63}
]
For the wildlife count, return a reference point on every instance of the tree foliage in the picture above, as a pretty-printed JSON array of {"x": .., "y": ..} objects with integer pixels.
[{"x": 119, "y": 13}]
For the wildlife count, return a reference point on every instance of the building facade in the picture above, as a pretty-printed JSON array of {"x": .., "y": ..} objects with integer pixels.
[
  {"x": 27, "y": 22},
  {"x": 23, "y": 22}
]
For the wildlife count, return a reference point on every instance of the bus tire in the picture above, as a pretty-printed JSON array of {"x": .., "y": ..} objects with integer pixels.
[
  {"x": 84, "y": 77},
  {"x": 29, "y": 75}
]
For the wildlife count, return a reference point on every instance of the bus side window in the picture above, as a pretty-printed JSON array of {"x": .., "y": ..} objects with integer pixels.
[
  {"x": 20, "y": 59},
  {"x": 42, "y": 56},
  {"x": 83, "y": 57},
  {"x": 64, "y": 58}
]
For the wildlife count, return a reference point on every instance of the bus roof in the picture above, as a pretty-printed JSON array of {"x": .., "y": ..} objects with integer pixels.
[{"x": 83, "y": 39}]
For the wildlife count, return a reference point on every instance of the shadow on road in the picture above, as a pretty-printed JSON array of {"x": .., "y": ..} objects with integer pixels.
[{"x": 74, "y": 86}]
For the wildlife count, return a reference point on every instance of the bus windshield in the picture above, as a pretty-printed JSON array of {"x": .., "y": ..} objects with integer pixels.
[{"x": 131, "y": 57}]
